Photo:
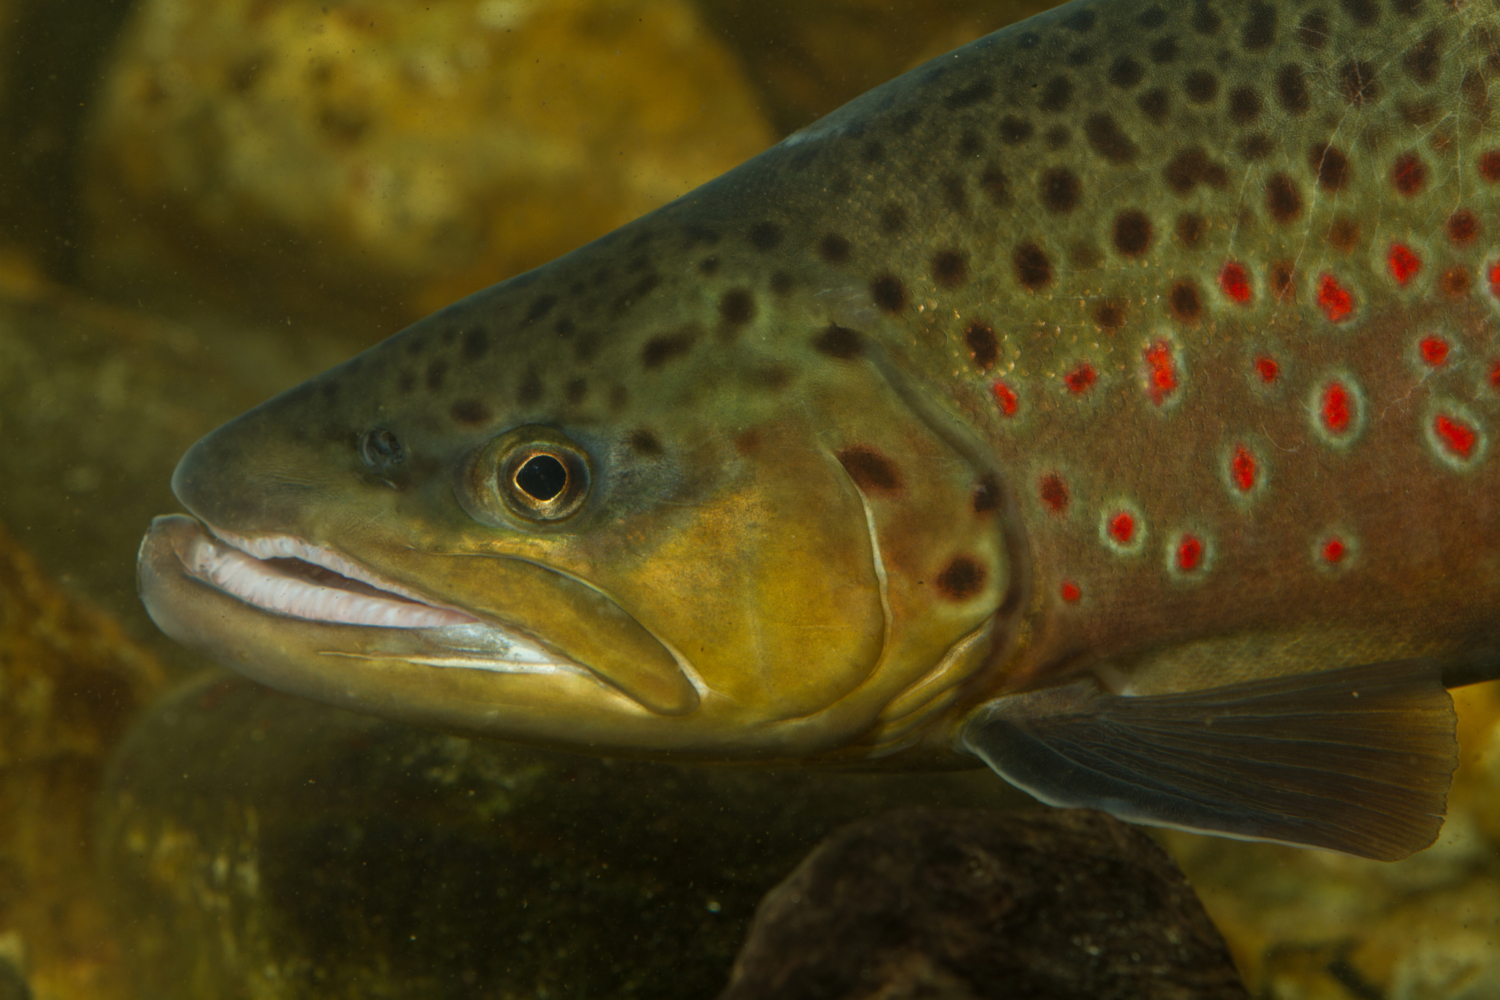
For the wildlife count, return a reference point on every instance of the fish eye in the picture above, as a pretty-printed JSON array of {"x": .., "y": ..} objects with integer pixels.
[{"x": 532, "y": 473}]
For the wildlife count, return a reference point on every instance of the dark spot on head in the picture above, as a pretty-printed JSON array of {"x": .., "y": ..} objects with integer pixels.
[
  {"x": 955, "y": 194},
  {"x": 1343, "y": 233},
  {"x": 1014, "y": 130},
  {"x": 736, "y": 307},
  {"x": 476, "y": 343},
  {"x": 983, "y": 348},
  {"x": 1060, "y": 189},
  {"x": 708, "y": 265},
  {"x": 436, "y": 372},
  {"x": 1056, "y": 94},
  {"x": 986, "y": 495},
  {"x": 575, "y": 390},
  {"x": 781, "y": 282},
  {"x": 979, "y": 90},
  {"x": 470, "y": 411},
  {"x": 1357, "y": 82},
  {"x": 1155, "y": 104},
  {"x": 871, "y": 471},
  {"x": 1185, "y": 301},
  {"x": 970, "y": 143},
  {"x": 1201, "y": 86},
  {"x": 1362, "y": 12},
  {"x": 1244, "y": 105},
  {"x": 659, "y": 350},
  {"x": 1033, "y": 268},
  {"x": 892, "y": 219},
  {"x": 1108, "y": 140},
  {"x": 1312, "y": 30},
  {"x": 1132, "y": 232},
  {"x": 1283, "y": 200},
  {"x": 1053, "y": 489},
  {"x": 1257, "y": 146},
  {"x": 1463, "y": 226},
  {"x": 1206, "y": 20},
  {"x": 765, "y": 236},
  {"x": 1421, "y": 60},
  {"x": 1110, "y": 314},
  {"x": 643, "y": 442},
  {"x": 1259, "y": 30},
  {"x": 1330, "y": 165},
  {"x": 1126, "y": 72},
  {"x": 994, "y": 185},
  {"x": 1192, "y": 167},
  {"x": 889, "y": 293},
  {"x": 1190, "y": 229},
  {"x": 1283, "y": 280},
  {"x": 1080, "y": 22},
  {"x": 529, "y": 392},
  {"x": 839, "y": 342},
  {"x": 961, "y": 579},
  {"x": 1151, "y": 18},
  {"x": 949, "y": 269},
  {"x": 1456, "y": 282},
  {"x": 539, "y": 308},
  {"x": 1291, "y": 90},
  {"x": 1163, "y": 50}
]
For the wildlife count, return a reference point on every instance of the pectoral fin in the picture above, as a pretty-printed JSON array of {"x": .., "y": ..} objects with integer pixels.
[{"x": 1356, "y": 760}]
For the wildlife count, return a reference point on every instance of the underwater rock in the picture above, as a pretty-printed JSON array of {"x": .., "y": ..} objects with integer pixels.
[
  {"x": 967, "y": 904},
  {"x": 374, "y": 162},
  {"x": 70, "y": 682},
  {"x": 257, "y": 844}
]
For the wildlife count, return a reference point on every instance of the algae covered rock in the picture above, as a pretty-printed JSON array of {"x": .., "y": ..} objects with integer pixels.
[
  {"x": 377, "y": 160},
  {"x": 260, "y": 845},
  {"x": 971, "y": 904}
]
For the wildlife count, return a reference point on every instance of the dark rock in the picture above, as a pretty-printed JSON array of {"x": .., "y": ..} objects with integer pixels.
[{"x": 969, "y": 904}]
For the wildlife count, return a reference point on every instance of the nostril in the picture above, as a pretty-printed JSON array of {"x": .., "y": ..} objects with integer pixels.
[{"x": 380, "y": 449}]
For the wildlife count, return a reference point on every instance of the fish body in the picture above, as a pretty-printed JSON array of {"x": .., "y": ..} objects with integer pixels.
[{"x": 1116, "y": 389}]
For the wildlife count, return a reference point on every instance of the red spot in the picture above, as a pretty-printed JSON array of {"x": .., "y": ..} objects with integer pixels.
[
  {"x": 1243, "y": 468},
  {"x": 1267, "y": 368},
  {"x": 1336, "y": 301},
  {"x": 1463, "y": 226},
  {"x": 1054, "y": 493},
  {"x": 1071, "y": 592},
  {"x": 1235, "y": 281},
  {"x": 1492, "y": 275},
  {"x": 1409, "y": 174},
  {"x": 1122, "y": 527},
  {"x": 1081, "y": 378},
  {"x": 1457, "y": 436},
  {"x": 1189, "y": 553},
  {"x": 1338, "y": 408},
  {"x": 1334, "y": 551},
  {"x": 1434, "y": 351},
  {"x": 1404, "y": 263},
  {"x": 1006, "y": 398},
  {"x": 1495, "y": 375},
  {"x": 1161, "y": 371},
  {"x": 1489, "y": 165}
]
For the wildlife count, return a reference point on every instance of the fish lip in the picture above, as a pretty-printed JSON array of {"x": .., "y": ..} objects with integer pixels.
[{"x": 235, "y": 566}]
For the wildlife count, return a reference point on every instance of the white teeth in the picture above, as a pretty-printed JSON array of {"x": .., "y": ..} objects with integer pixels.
[{"x": 236, "y": 568}]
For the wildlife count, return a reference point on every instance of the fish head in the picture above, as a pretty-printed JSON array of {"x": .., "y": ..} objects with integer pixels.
[{"x": 649, "y": 515}]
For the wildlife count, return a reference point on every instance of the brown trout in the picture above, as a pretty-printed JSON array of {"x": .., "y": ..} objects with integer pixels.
[{"x": 1107, "y": 401}]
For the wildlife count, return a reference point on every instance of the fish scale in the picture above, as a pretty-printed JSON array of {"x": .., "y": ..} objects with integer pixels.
[{"x": 1114, "y": 391}]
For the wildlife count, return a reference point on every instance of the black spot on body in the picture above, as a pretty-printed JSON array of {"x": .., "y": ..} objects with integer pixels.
[
  {"x": 1259, "y": 30},
  {"x": 1283, "y": 200},
  {"x": 659, "y": 350},
  {"x": 1033, "y": 267},
  {"x": 1364, "y": 13},
  {"x": 961, "y": 579},
  {"x": 834, "y": 249},
  {"x": 1330, "y": 165},
  {"x": 470, "y": 411},
  {"x": 983, "y": 347},
  {"x": 839, "y": 342},
  {"x": 949, "y": 269},
  {"x": 1185, "y": 301},
  {"x": 1126, "y": 72},
  {"x": 1163, "y": 50},
  {"x": 1110, "y": 314},
  {"x": 635, "y": 293},
  {"x": 1058, "y": 136},
  {"x": 1313, "y": 29},
  {"x": 1206, "y": 20},
  {"x": 436, "y": 372},
  {"x": 1081, "y": 21},
  {"x": 1056, "y": 94},
  {"x": 476, "y": 343},
  {"x": 1192, "y": 167},
  {"x": 1155, "y": 104},
  {"x": 643, "y": 442},
  {"x": 1257, "y": 146},
  {"x": 979, "y": 90},
  {"x": 1421, "y": 60},
  {"x": 871, "y": 471},
  {"x": 1014, "y": 130},
  {"x": 736, "y": 307},
  {"x": 1108, "y": 140},
  {"x": 889, "y": 293},
  {"x": 1201, "y": 86},
  {"x": 1132, "y": 232},
  {"x": 1151, "y": 18},
  {"x": 539, "y": 308},
  {"x": 1244, "y": 105},
  {"x": 1191, "y": 228},
  {"x": 765, "y": 236},
  {"x": 1060, "y": 189},
  {"x": 1291, "y": 90},
  {"x": 1357, "y": 82}
]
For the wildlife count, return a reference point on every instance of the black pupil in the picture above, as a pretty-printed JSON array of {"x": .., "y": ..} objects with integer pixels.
[{"x": 542, "y": 477}]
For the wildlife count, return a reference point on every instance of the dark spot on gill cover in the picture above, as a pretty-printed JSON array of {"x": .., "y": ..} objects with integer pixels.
[
  {"x": 986, "y": 495},
  {"x": 839, "y": 342},
  {"x": 871, "y": 471},
  {"x": 660, "y": 349},
  {"x": 961, "y": 579},
  {"x": 643, "y": 442}
]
